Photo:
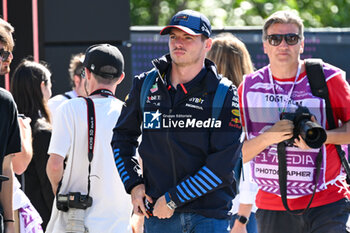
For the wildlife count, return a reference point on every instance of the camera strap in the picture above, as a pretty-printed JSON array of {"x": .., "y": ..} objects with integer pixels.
[
  {"x": 282, "y": 177},
  {"x": 91, "y": 119},
  {"x": 318, "y": 85}
]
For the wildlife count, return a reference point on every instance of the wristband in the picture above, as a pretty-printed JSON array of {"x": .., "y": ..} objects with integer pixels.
[
  {"x": 170, "y": 203},
  {"x": 242, "y": 219},
  {"x": 9, "y": 220}
]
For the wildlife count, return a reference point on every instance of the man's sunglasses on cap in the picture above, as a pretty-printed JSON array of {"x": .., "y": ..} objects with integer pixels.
[
  {"x": 276, "y": 39},
  {"x": 4, "y": 54}
]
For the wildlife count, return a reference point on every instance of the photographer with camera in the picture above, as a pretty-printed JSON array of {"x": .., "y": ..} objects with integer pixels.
[
  {"x": 295, "y": 163},
  {"x": 89, "y": 194}
]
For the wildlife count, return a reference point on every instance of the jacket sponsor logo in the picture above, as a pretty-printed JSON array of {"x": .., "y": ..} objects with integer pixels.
[
  {"x": 154, "y": 97},
  {"x": 235, "y": 123},
  {"x": 235, "y": 112},
  {"x": 196, "y": 100},
  {"x": 194, "y": 106},
  {"x": 155, "y": 120},
  {"x": 235, "y": 102},
  {"x": 154, "y": 88}
]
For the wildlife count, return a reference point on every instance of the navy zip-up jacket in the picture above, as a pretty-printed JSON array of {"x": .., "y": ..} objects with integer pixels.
[{"x": 184, "y": 151}]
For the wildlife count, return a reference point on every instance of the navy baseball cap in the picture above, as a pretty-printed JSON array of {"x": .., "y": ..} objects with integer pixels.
[{"x": 189, "y": 21}]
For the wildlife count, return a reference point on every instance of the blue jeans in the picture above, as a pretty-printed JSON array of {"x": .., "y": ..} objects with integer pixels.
[
  {"x": 331, "y": 218},
  {"x": 186, "y": 223},
  {"x": 251, "y": 226}
]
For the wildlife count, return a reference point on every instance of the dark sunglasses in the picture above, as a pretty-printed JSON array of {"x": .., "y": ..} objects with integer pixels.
[
  {"x": 4, "y": 54},
  {"x": 276, "y": 39}
]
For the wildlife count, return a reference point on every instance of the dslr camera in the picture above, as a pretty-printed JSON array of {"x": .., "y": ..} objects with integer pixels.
[
  {"x": 73, "y": 200},
  {"x": 312, "y": 133}
]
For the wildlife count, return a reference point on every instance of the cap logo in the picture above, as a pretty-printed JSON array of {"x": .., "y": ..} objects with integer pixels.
[
  {"x": 92, "y": 67},
  {"x": 181, "y": 17},
  {"x": 204, "y": 28}
]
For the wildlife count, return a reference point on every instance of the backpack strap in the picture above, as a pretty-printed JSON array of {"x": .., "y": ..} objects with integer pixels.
[
  {"x": 146, "y": 86},
  {"x": 317, "y": 79},
  {"x": 218, "y": 102},
  {"x": 220, "y": 95},
  {"x": 318, "y": 85}
]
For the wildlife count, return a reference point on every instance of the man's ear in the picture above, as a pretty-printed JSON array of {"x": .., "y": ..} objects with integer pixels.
[
  {"x": 42, "y": 86},
  {"x": 208, "y": 44},
  {"x": 302, "y": 47},
  {"x": 264, "y": 46},
  {"x": 121, "y": 78}
]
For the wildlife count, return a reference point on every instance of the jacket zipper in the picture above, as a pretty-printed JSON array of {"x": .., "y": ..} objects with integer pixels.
[{"x": 172, "y": 156}]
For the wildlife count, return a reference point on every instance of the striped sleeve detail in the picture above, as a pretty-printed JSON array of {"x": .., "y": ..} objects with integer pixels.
[
  {"x": 120, "y": 166},
  {"x": 201, "y": 183},
  {"x": 212, "y": 175}
]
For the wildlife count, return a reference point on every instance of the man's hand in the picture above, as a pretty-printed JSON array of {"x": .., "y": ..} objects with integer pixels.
[
  {"x": 138, "y": 193},
  {"x": 238, "y": 227},
  {"x": 243, "y": 210},
  {"x": 280, "y": 131},
  {"x": 300, "y": 142},
  {"x": 161, "y": 210}
]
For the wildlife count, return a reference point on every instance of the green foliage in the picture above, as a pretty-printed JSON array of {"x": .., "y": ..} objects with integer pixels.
[{"x": 315, "y": 13}]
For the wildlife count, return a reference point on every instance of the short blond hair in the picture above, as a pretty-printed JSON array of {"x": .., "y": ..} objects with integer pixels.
[
  {"x": 75, "y": 66},
  {"x": 284, "y": 17}
]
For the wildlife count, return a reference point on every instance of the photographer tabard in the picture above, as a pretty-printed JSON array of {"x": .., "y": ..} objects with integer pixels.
[
  {"x": 89, "y": 194},
  {"x": 296, "y": 114}
]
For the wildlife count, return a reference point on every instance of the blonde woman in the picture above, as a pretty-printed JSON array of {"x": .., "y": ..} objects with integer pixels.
[{"x": 233, "y": 61}]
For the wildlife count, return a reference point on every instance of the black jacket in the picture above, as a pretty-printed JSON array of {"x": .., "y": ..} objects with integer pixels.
[{"x": 181, "y": 154}]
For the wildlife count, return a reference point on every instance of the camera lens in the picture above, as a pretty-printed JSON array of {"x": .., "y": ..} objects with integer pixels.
[
  {"x": 75, "y": 223},
  {"x": 313, "y": 134}
]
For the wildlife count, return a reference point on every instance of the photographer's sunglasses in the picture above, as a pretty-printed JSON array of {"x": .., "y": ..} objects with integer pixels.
[
  {"x": 4, "y": 54},
  {"x": 276, "y": 39}
]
